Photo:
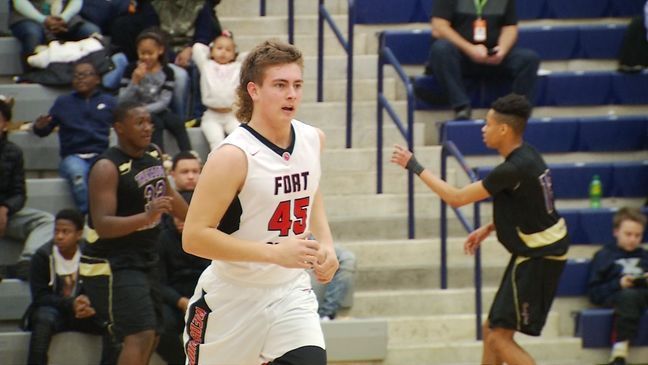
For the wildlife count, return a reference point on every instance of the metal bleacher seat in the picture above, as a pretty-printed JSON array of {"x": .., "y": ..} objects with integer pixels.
[{"x": 592, "y": 225}]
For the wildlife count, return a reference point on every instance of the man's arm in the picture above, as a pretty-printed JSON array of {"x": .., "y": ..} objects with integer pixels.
[
  {"x": 103, "y": 203},
  {"x": 456, "y": 197},
  {"x": 179, "y": 206},
  {"x": 327, "y": 263}
]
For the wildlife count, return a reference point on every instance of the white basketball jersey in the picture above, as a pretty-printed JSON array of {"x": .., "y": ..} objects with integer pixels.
[{"x": 276, "y": 198}]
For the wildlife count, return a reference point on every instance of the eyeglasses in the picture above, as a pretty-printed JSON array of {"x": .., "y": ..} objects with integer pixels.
[{"x": 83, "y": 75}]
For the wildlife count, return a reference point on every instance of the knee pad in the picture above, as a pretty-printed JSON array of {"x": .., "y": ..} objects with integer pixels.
[{"x": 306, "y": 355}]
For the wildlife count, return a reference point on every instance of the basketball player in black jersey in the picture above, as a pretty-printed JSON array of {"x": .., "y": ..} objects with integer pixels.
[
  {"x": 129, "y": 192},
  {"x": 526, "y": 222}
]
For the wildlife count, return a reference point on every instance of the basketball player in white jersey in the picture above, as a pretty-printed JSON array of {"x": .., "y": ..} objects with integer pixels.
[{"x": 256, "y": 202}]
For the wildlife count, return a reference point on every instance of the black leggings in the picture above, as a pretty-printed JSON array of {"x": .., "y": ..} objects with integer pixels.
[
  {"x": 307, "y": 355},
  {"x": 166, "y": 119}
]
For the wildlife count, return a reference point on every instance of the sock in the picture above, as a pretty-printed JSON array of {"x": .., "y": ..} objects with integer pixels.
[{"x": 620, "y": 349}]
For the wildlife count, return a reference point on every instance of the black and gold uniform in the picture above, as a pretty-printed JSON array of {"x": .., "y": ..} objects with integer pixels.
[
  {"x": 119, "y": 273},
  {"x": 531, "y": 229}
]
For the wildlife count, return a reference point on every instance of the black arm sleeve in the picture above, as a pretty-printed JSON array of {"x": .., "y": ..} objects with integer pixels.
[{"x": 510, "y": 16}]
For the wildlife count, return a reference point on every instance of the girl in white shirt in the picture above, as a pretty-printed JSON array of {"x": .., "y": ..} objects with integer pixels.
[{"x": 219, "y": 77}]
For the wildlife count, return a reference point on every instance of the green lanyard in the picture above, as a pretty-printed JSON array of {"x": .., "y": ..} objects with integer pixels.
[{"x": 479, "y": 5}]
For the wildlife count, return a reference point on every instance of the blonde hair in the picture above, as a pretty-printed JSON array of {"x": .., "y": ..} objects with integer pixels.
[{"x": 267, "y": 54}]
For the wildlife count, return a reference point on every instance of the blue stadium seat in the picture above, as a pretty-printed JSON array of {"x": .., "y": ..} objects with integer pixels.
[
  {"x": 389, "y": 12},
  {"x": 553, "y": 135},
  {"x": 568, "y": 88},
  {"x": 630, "y": 88},
  {"x": 619, "y": 179},
  {"x": 589, "y": 225},
  {"x": 526, "y": 9},
  {"x": 630, "y": 179},
  {"x": 574, "y": 278},
  {"x": 411, "y": 47},
  {"x": 571, "y": 181},
  {"x": 578, "y": 8},
  {"x": 551, "y": 43},
  {"x": 626, "y": 7},
  {"x": 600, "y": 41},
  {"x": 595, "y": 328},
  {"x": 613, "y": 133},
  {"x": 467, "y": 136}
]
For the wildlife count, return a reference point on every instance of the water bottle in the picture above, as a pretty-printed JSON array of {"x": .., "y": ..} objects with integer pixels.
[{"x": 595, "y": 192}]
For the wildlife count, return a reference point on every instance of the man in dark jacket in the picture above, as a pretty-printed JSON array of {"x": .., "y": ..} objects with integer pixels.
[
  {"x": 179, "y": 273},
  {"x": 84, "y": 118},
  {"x": 31, "y": 226},
  {"x": 57, "y": 302},
  {"x": 619, "y": 279}
]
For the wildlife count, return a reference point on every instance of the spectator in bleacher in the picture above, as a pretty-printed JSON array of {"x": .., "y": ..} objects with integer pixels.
[
  {"x": 477, "y": 38},
  {"x": 526, "y": 222},
  {"x": 129, "y": 193},
  {"x": 219, "y": 78},
  {"x": 58, "y": 304},
  {"x": 84, "y": 118},
  {"x": 634, "y": 50},
  {"x": 31, "y": 226},
  {"x": 179, "y": 273},
  {"x": 206, "y": 27},
  {"x": 619, "y": 279},
  {"x": 151, "y": 81},
  {"x": 336, "y": 290},
  {"x": 35, "y": 22},
  {"x": 185, "y": 170}
]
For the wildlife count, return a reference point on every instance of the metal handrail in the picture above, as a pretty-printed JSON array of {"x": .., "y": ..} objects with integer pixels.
[
  {"x": 291, "y": 18},
  {"x": 449, "y": 149},
  {"x": 347, "y": 45},
  {"x": 386, "y": 57}
]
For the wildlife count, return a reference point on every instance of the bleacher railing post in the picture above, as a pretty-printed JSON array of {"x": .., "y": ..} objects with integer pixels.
[
  {"x": 349, "y": 94},
  {"x": 320, "y": 52},
  {"x": 291, "y": 21},
  {"x": 379, "y": 119},
  {"x": 444, "y": 222},
  {"x": 262, "y": 8},
  {"x": 477, "y": 276}
]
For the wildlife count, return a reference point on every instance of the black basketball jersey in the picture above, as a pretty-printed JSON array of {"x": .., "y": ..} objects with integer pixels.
[
  {"x": 140, "y": 181},
  {"x": 525, "y": 217}
]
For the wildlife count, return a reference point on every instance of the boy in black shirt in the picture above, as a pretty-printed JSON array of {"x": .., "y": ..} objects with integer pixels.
[
  {"x": 526, "y": 223},
  {"x": 619, "y": 278},
  {"x": 58, "y": 304}
]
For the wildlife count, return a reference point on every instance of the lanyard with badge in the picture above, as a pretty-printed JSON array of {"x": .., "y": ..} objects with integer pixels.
[{"x": 479, "y": 26}]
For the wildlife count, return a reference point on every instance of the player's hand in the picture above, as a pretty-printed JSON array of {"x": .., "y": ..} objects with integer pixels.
[
  {"x": 326, "y": 265},
  {"x": 183, "y": 304},
  {"x": 401, "y": 156},
  {"x": 475, "y": 238},
  {"x": 157, "y": 207},
  {"x": 626, "y": 281},
  {"x": 184, "y": 57},
  {"x": 82, "y": 307},
  {"x": 297, "y": 252},
  {"x": 42, "y": 121},
  {"x": 478, "y": 53},
  {"x": 139, "y": 73}
]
